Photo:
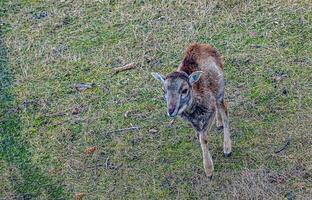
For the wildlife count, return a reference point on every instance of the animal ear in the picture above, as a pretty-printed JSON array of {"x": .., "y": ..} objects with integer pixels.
[
  {"x": 158, "y": 77},
  {"x": 194, "y": 77}
]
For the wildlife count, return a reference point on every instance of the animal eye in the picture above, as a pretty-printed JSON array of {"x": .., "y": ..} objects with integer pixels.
[{"x": 184, "y": 91}]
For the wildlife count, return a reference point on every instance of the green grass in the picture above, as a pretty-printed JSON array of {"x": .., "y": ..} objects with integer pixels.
[{"x": 46, "y": 47}]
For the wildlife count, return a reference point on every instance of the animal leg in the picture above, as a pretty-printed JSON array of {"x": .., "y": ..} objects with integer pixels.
[
  {"x": 207, "y": 160},
  {"x": 219, "y": 120},
  {"x": 227, "y": 144}
]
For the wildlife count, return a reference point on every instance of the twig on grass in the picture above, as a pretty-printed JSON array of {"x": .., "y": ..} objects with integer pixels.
[
  {"x": 106, "y": 163},
  {"x": 124, "y": 68},
  {"x": 287, "y": 143}
]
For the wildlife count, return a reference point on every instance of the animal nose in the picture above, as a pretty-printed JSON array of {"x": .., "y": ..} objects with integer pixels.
[{"x": 171, "y": 111}]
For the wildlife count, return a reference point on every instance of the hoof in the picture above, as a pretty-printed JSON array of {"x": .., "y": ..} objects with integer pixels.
[
  {"x": 226, "y": 155},
  {"x": 220, "y": 128}
]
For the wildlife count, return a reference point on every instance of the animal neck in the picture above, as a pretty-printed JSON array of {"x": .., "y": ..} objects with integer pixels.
[{"x": 191, "y": 105}]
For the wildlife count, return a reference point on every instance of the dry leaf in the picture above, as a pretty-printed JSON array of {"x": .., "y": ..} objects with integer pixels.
[
  {"x": 79, "y": 195},
  {"x": 90, "y": 150}
]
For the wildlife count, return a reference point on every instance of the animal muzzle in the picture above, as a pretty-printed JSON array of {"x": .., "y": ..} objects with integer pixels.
[
  {"x": 171, "y": 111},
  {"x": 172, "y": 105}
]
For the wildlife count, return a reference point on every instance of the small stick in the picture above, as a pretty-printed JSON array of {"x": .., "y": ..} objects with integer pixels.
[
  {"x": 124, "y": 68},
  {"x": 123, "y": 129},
  {"x": 106, "y": 162},
  {"x": 284, "y": 147}
]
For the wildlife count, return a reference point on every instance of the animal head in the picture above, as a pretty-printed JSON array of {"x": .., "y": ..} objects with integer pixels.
[{"x": 177, "y": 87}]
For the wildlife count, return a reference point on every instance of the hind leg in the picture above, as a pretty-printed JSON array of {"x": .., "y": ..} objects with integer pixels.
[
  {"x": 227, "y": 143},
  {"x": 219, "y": 122}
]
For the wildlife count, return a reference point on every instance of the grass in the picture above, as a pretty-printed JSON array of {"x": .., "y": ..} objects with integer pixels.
[{"x": 46, "y": 125}]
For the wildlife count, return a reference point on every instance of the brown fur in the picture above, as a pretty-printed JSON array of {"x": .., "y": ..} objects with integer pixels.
[
  {"x": 209, "y": 95},
  {"x": 202, "y": 101},
  {"x": 196, "y": 58},
  {"x": 173, "y": 75},
  {"x": 196, "y": 54}
]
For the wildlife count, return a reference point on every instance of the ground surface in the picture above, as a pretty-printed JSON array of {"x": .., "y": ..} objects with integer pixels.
[{"x": 60, "y": 143}]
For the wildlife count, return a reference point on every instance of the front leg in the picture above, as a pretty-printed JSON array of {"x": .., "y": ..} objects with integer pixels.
[{"x": 207, "y": 160}]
